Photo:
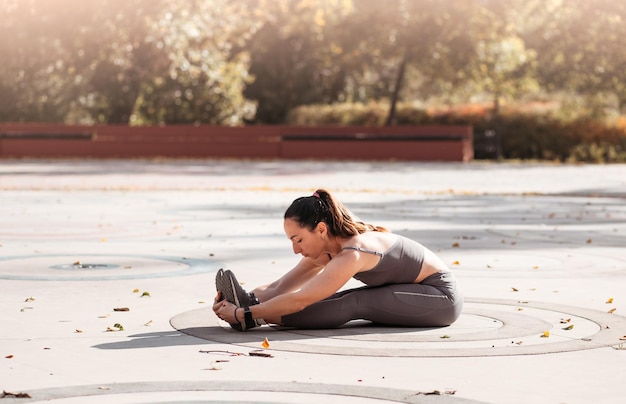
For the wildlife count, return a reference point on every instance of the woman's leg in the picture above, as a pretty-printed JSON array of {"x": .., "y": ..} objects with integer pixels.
[{"x": 434, "y": 302}]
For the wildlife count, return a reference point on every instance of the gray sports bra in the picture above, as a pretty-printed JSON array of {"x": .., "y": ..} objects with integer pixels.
[{"x": 401, "y": 263}]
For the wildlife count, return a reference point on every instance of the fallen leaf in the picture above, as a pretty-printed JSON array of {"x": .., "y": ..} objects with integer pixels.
[
  {"x": 445, "y": 336},
  {"x": 29, "y": 299},
  {"x": 612, "y": 310},
  {"x": 545, "y": 334},
  {"x": 519, "y": 342},
  {"x": 589, "y": 241},
  {"x": 121, "y": 309},
  {"x": 9, "y": 356},
  {"x": 104, "y": 388},
  {"x": 609, "y": 301},
  {"x": 569, "y": 327},
  {"x": 535, "y": 266},
  {"x": 78, "y": 331},
  {"x": 145, "y": 294},
  {"x": 266, "y": 343},
  {"x": 623, "y": 338},
  {"x": 520, "y": 308},
  {"x": 515, "y": 289},
  {"x": 116, "y": 327},
  {"x": 565, "y": 320},
  {"x": 148, "y": 324},
  {"x": 135, "y": 290},
  {"x": 456, "y": 245},
  {"x": 456, "y": 263}
]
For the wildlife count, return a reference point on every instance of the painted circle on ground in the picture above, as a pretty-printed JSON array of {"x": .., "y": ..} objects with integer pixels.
[
  {"x": 83, "y": 231},
  {"x": 78, "y": 266},
  {"x": 93, "y": 267},
  {"x": 266, "y": 392},
  {"x": 508, "y": 262},
  {"x": 544, "y": 264},
  {"x": 487, "y": 327}
]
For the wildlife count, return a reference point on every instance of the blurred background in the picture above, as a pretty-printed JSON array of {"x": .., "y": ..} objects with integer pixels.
[{"x": 550, "y": 75}]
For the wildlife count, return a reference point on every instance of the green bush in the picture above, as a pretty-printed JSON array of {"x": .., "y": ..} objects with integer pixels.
[{"x": 526, "y": 135}]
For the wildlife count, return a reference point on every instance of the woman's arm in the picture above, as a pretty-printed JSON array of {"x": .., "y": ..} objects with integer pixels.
[
  {"x": 305, "y": 270},
  {"x": 326, "y": 282}
]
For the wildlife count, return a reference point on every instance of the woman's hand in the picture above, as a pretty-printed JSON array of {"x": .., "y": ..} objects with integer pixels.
[{"x": 224, "y": 309}]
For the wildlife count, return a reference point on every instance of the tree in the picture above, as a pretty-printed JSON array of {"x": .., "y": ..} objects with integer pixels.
[
  {"x": 32, "y": 72},
  {"x": 431, "y": 39},
  {"x": 580, "y": 47},
  {"x": 293, "y": 56},
  {"x": 207, "y": 66},
  {"x": 113, "y": 61}
]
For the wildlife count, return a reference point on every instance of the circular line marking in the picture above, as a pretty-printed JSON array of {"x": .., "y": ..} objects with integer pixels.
[
  {"x": 191, "y": 266},
  {"x": 77, "y": 266},
  {"x": 280, "y": 392},
  {"x": 410, "y": 342}
]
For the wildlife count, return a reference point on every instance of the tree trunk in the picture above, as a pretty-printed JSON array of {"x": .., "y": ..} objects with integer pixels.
[
  {"x": 391, "y": 117},
  {"x": 496, "y": 106}
]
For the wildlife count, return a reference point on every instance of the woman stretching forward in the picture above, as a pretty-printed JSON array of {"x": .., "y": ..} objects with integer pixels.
[{"x": 406, "y": 283}]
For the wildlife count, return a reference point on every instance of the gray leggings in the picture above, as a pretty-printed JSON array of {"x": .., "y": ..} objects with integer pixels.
[{"x": 434, "y": 302}]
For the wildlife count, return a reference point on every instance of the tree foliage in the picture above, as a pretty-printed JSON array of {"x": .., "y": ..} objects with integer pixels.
[{"x": 229, "y": 62}]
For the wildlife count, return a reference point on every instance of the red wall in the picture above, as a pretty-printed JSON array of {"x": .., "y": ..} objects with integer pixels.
[{"x": 419, "y": 143}]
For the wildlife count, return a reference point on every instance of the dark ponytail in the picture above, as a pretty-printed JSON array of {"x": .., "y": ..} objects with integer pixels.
[{"x": 308, "y": 211}]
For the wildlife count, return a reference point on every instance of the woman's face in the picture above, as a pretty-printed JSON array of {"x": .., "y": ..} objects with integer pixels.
[{"x": 305, "y": 242}]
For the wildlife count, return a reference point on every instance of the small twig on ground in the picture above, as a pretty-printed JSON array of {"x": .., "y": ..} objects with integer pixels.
[
  {"x": 16, "y": 395},
  {"x": 435, "y": 393},
  {"x": 229, "y": 353}
]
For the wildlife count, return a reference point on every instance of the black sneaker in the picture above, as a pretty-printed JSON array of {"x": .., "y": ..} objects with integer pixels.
[
  {"x": 221, "y": 284},
  {"x": 226, "y": 282},
  {"x": 231, "y": 290}
]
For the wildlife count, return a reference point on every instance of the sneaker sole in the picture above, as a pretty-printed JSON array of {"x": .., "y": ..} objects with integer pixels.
[{"x": 222, "y": 285}]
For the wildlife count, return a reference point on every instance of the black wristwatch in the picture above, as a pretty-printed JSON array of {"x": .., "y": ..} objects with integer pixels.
[{"x": 247, "y": 318}]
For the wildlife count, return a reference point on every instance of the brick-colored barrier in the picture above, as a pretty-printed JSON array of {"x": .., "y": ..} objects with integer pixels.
[{"x": 419, "y": 143}]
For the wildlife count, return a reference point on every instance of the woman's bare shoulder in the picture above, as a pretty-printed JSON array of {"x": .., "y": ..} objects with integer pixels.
[{"x": 375, "y": 240}]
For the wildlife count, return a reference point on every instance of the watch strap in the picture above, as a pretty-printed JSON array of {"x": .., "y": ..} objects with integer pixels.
[{"x": 248, "y": 319}]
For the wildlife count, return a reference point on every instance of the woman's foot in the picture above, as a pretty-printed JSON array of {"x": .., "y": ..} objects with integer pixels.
[{"x": 226, "y": 283}]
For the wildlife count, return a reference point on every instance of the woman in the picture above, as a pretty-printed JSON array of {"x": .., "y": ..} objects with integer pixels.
[{"x": 407, "y": 284}]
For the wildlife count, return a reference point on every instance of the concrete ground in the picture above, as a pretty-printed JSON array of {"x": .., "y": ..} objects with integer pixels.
[{"x": 107, "y": 275}]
